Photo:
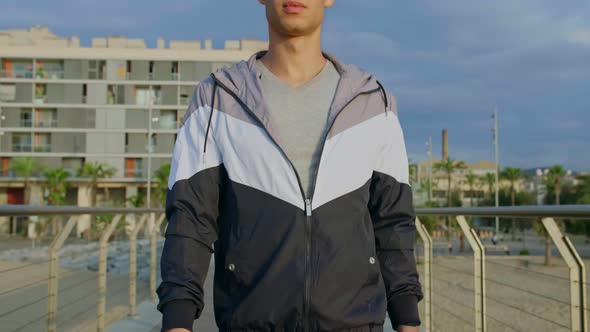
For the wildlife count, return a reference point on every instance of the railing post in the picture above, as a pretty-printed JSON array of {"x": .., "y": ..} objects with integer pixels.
[
  {"x": 577, "y": 270},
  {"x": 479, "y": 273},
  {"x": 102, "y": 272},
  {"x": 133, "y": 266},
  {"x": 153, "y": 254},
  {"x": 58, "y": 242},
  {"x": 427, "y": 282}
]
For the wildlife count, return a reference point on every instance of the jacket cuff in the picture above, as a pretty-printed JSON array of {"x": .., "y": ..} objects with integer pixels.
[
  {"x": 178, "y": 314},
  {"x": 403, "y": 310}
]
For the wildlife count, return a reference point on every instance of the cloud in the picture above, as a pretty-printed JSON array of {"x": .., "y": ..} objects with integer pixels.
[{"x": 580, "y": 37}]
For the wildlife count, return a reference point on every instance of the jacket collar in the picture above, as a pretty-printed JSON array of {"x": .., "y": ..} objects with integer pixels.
[{"x": 243, "y": 80}]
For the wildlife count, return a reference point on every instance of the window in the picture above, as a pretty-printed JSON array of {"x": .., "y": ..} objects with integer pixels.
[
  {"x": 133, "y": 167},
  {"x": 21, "y": 142},
  {"x": 46, "y": 118},
  {"x": 26, "y": 118},
  {"x": 7, "y": 92},
  {"x": 42, "y": 142},
  {"x": 40, "y": 93}
]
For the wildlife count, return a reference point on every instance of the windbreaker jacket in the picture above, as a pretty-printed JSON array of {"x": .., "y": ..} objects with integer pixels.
[{"x": 337, "y": 260}]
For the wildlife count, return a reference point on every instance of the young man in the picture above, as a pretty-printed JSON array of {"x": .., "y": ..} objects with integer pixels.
[{"x": 291, "y": 168}]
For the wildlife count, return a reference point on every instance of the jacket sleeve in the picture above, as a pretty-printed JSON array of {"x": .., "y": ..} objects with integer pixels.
[
  {"x": 393, "y": 217},
  {"x": 192, "y": 209}
]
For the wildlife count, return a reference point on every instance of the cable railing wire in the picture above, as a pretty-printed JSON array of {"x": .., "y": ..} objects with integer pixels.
[
  {"x": 23, "y": 266},
  {"x": 453, "y": 314},
  {"x": 528, "y": 270},
  {"x": 526, "y": 312},
  {"x": 547, "y": 297},
  {"x": 20, "y": 328}
]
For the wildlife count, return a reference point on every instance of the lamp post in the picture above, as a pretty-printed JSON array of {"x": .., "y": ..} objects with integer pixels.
[
  {"x": 497, "y": 198},
  {"x": 429, "y": 143}
]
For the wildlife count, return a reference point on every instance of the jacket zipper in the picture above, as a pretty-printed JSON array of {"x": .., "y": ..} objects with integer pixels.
[{"x": 307, "y": 201}]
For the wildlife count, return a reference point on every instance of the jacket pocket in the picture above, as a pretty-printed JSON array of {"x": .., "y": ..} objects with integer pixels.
[{"x": 372, "y": 262}]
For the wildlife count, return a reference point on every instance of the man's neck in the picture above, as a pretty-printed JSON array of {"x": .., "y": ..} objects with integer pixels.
[{"x": 294, "y": 60}]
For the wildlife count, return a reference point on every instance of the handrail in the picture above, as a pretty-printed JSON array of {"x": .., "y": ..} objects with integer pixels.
[
  {"x": 31, "y": 210},
  {"x": 532, "y": 211}
]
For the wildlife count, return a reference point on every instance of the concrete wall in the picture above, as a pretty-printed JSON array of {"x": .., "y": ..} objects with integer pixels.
[
  {"x": 68, "y": 142},
  {"x": 75, "y": 118},
  {"x": 164, "y": 143},
  {"x": 11, "y": 117},
  {"x": 136, "y": 143},
  {"x": 73, "y": 93},
  {"x": 74, "y": 69},
  {"x": 139, "y": 70},
  {"x": 169, "y": 95},
  {"x": 136, "y": 119},
  {"x": 24, "y": 92},
  {"x": 55, "y": 93},
  {"x": 96, "y": 93},
  {"x": 162, "y": 70}
]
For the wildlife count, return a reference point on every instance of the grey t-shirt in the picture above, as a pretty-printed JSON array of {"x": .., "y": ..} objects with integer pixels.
[{"x": 301, "y": 115}]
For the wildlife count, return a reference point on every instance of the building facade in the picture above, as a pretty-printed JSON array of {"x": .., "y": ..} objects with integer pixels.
[{"x": 116, "y": 102}]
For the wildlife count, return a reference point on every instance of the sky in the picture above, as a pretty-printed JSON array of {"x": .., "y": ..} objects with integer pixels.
[{"x": 449, "y": 63}]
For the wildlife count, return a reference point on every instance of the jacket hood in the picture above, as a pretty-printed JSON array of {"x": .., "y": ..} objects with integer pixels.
[{"x": 243, "y": 80}]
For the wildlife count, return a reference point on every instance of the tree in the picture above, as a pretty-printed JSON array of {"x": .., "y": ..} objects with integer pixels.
[
  {"x": 472, "y": 181},
  {"x": 161, "y": 178},
  {"x": 490, "y": 180},
  {"x": 555, "y": 178},
  {"x": 449, "y": 166},
  {"x": 57, "y": 186},
  {"x": 512, "y": 175},
  {"x": 95, "y": 171},
  {"x": 26, "y": 167}
]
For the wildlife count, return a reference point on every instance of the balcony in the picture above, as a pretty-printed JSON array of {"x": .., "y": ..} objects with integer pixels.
[
  {"x": 42, "y": 148},
  {"x": 16, "y": 73},
  {"x": 22, "y": 147},
  {"x": 50, "y": 74}
]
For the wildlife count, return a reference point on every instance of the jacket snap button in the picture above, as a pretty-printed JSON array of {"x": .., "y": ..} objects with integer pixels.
[
  {"x": 231, "y": 267},
  {"x": 372, "y": 260}
]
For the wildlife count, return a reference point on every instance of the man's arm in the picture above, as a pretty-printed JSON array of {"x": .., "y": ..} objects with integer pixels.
[
  {"x": 393, "y": 218},
  {"x": 192, "y": 209}
]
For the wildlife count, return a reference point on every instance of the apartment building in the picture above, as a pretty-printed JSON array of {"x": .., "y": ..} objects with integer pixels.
[{"x": 116, "y": 101}]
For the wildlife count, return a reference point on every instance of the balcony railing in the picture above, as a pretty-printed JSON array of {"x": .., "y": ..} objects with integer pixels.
[
  {"x": 462, "y": 292},
  {"x": 22, "y": 147},
  {"x": 16, "y": 73}
]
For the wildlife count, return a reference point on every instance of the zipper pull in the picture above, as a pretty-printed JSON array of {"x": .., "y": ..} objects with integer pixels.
[{"x": 308, "y": 207}]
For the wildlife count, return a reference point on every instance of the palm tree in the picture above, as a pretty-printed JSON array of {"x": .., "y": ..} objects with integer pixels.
[
  {"x": 472, "y": 180},
  {"x": 161, "y": 178},
  {"x": 57, "y": 186},
  {"x": 449, "y": 166},
  {"x": 95, "y": 171},
  {"x": 555, "y": 177},
  {"x": 26, "y": 167},
  {"x": 490, "y": 180},
  {"x": 513, "y": 175}
]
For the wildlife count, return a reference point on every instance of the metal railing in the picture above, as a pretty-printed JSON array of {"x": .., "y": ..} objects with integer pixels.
[
  {"x": 440, "y": 286},
  {"x": 546, "y": 216},
  {"x": 52, "y": 280}
]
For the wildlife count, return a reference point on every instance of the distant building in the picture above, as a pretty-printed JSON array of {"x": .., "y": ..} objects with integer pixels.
[
  {"x": 64, "y": 104},
  {"x": 459, "y": 181}
]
